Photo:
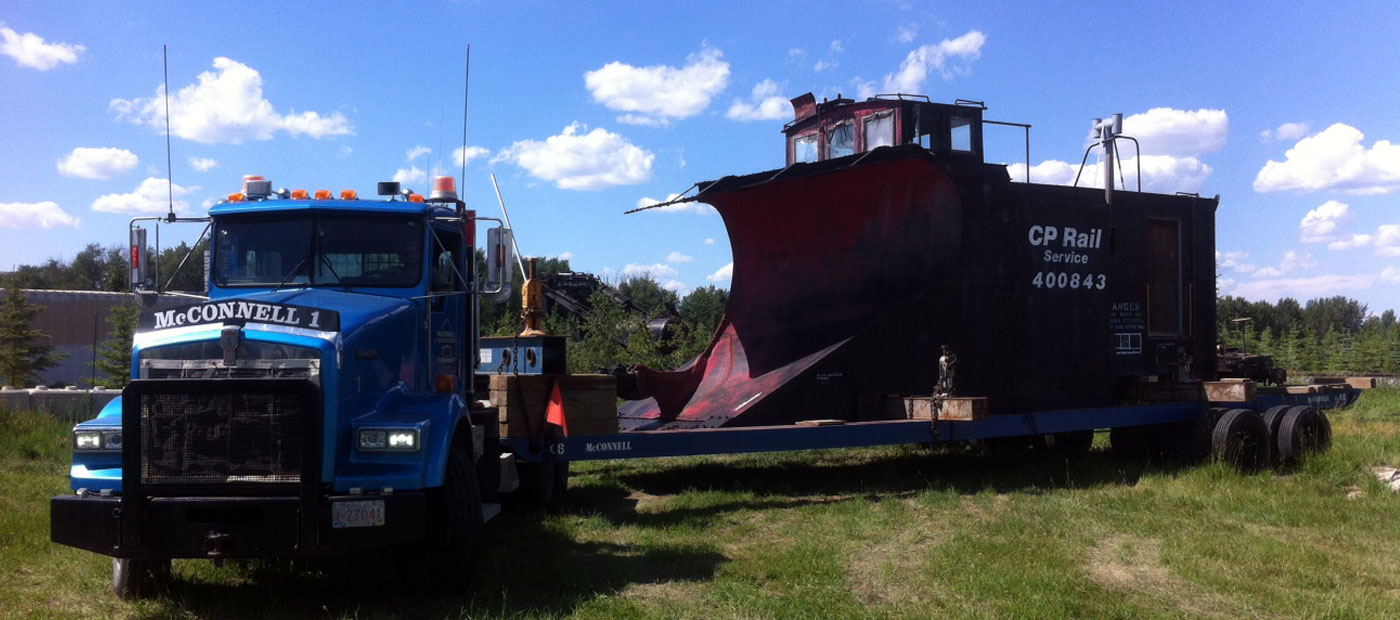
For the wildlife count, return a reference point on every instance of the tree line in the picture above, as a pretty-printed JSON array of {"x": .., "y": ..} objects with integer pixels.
[
  {"x": 1324, "y": 335},
  {"x": 1331, "y": 335}
]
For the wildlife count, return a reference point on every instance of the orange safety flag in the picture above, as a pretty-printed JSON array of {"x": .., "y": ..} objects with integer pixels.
[{"x": 555, "y": 413}]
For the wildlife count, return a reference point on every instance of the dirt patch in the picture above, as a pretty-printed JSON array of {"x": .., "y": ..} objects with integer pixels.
[
  {"x": 655, "y": 597},
  {"x": 1134, "y": 565}
]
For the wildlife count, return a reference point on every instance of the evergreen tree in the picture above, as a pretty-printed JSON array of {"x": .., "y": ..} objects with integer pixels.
[
  {"x": 23, "y": 351},
  {"x": 114, "y": 359}
]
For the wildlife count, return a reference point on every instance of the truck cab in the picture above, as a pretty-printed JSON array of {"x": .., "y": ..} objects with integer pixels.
[{"x": 319, "y": 401}]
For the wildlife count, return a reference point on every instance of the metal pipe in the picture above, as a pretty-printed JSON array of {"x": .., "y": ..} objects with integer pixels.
[{"x": 513, "y": 242}]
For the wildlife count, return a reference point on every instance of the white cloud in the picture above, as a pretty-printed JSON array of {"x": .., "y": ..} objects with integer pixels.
[
  {"x": 1385, "y": 241},
  {"x": 660, "y": 93},
  {"x": 1334, "y": 159},
  {"x": 1178, "y": 133},
  {"x": 35, "y": 215},
  {"x": 1160, "y": 173},
  {"x": 97, "y": 163},
  {"x": 1234, "y": 261},
  {"x": 412, "y": 174},
  {"x": 416, "y": 152},
  {"x": 657, "y": 270},
  {"x": 675, "y": 286},
  {"x": 1267, "y": 272},
  {"x": 565, "y": 255},
  {"x": 227, "y": 105},
  {"x": 680, "y": 207},
  {"x": 471, "y": 152},
  {"x": 906, "y": 33},
  {"x": 1320, "y": 224},
  {"x": 949, "y": 57},
  {"x": 345, "y": 151},
  {"x": 723, "y": 274},
  {"x": 1294, "y": 260},
  {"x": 823, "y": 65},
  {"x": 1390, "y": 274},
  {"x": 30, "y": 50},
  {"x": 709, "y": 240},
  {"x": 677, "y": 257},
  {"x": 836, "y": 47},
  {"x": 1304, "y": 288},
  {"x": 203, "y": 164},
  {"x": 152, "y": 197},
  {"x": 597, "y": 159},
  {"x": 1286, "y": 131},
  {"x": 764, "y": 104}
]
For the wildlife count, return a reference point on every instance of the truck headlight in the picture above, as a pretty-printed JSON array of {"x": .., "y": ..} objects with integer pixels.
[
  {"x": 388, "y": 440},
  {"x": 87, "y": 440},
  {"x": 98, "y": 439}
]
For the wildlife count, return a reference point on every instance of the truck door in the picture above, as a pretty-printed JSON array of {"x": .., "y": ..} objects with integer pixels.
[{"x": 449, "y": 322}]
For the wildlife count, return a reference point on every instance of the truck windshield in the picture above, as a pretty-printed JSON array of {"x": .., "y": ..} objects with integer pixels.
[{"x": 318, "y": 250}]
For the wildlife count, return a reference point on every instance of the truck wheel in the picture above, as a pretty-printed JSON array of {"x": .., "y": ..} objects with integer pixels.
[
  {"x": 1242, "y": 440},
  {"x": 136, "y": 578},
  {"x": 1202, "y": 433},
  {"x": 1302, "y": 430},
  {"x": 1273, "y": 417},
  {"x": 542, "y": 485},
  {"x": 455, "y": 538}
]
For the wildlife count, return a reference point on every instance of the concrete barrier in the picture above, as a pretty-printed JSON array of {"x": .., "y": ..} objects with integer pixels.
[{"x": 71, "y": 403}]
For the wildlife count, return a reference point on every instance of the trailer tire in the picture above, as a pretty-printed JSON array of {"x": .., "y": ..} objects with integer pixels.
[
  {"x": 1273, "y": 418},
  {"x": 542, "y": 485},
  {"x": 455, "y": 530},
  {"x": 1301, "y": 431},
  {"x": 138, "y": 578},
  {"x": 1202, "y": 434},
  {"x": 1242, "y": 440}
]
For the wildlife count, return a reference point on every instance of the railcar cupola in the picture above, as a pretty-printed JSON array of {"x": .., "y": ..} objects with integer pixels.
[{"x": 840, "y": 127}]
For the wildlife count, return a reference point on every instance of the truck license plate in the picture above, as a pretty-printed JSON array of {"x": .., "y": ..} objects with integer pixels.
[{"x": 367, "y": 513}]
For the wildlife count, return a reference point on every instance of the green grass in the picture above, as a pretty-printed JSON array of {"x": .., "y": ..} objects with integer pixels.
[{"x": 865, "y": 533}]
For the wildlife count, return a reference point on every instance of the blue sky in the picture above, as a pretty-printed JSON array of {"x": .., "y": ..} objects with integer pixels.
[{"x": 1290, "y": 112}]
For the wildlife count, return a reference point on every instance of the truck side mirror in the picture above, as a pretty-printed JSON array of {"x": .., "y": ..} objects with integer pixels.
[
  {"x": 140, "y": 262},
  {"x": 498, "y": 263}
]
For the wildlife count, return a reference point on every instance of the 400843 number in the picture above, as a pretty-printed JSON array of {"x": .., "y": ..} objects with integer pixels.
[{"x": 1060, "y": 279}]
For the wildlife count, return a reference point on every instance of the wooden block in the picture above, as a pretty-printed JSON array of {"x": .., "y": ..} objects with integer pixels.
[
  {"x": 1301, "y": 389},
  {"x": 1362, "y": 383},
  {"x": 821, "y": 422},
  {"x": 1231, "y": 391},
  {"x": 956, "y": 409},
  {"x": 590, "y": 403}
]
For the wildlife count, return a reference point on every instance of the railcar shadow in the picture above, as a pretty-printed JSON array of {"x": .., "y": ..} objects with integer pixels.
[{"x": 842, "y": 477}]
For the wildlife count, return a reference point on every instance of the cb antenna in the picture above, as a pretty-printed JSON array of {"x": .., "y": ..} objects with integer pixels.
[
  {"x": 169, "y": 175},
  {"x": 466, "y": 92}
]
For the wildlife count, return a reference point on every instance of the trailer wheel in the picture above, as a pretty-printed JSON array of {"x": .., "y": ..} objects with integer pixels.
[
  {"x": 137, "y": 578},
  {"x": 1242, "y": 440},
  {"x": 1273, "y": 418},
  {"x": 455, "y": 538},
  {"x": 1301, "y": 431},
  {"x": 1203, "y": 432},
  {"x": 542, "y": 485}
]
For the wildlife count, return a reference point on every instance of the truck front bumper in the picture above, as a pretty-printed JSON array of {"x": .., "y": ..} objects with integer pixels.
[{"x": 228, "y": 527}]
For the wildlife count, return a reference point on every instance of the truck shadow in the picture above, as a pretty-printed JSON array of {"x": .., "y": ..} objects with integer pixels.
[
  {"x": 530, "y": 568},
  {"x": 540, "y": 565}
]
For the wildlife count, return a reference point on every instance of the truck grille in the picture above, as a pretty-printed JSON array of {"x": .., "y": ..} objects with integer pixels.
[{"x": 224, "y": 432}]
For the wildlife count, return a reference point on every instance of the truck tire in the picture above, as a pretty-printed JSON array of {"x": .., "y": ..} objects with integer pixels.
[
  {"x": 1202, "y": 434},
  {"x": 455, "y": 537},
  {"x": 1273, "y": 417},
  {"x": 1301, "y": 431},
  {"x": 1241, "y": 439},
  {"x": 137, "y": 578},
  {"x": 542, "y": 485}
]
